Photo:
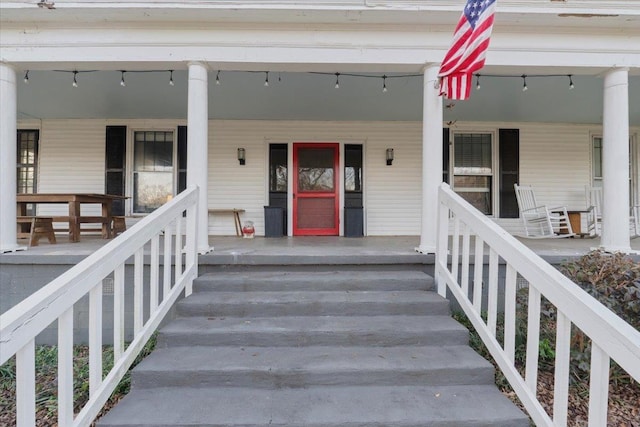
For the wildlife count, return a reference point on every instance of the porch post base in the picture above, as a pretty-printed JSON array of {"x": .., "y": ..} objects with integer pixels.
[
  {"x": 623, "y": 249},
  {"x": 426, "y": 249},
  {"x": 12, "y": 248}
]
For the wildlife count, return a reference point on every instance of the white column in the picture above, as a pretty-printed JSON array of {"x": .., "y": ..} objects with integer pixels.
[
  {"x": 197, "y": 147},
  {"x": 8, "y": 148},
  {"x": 615, "y": 161},
  {"x": 431, "y": 158}
]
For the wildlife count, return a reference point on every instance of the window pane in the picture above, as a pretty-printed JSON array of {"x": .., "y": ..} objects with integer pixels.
[
  {"x": 597, "y": 158},
  {"x": 353, "y": 168},
  {"x": 278, "y": 168},
  {"x": 152, "y": 170},
  {"x": 472, "y": 154}
]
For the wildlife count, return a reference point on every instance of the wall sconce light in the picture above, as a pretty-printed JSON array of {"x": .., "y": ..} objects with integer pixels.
[
  {"x": 389, "y": 156},
  {"x": 241, "y": 156}
]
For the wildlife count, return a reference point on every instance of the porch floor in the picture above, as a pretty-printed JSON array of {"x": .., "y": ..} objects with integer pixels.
[{"x": 301, "y": 250}]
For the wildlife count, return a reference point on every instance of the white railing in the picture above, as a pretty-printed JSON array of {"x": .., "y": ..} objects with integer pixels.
[
  {"x": 612, "y": 337},
  {"x": 55, "y": 302}
]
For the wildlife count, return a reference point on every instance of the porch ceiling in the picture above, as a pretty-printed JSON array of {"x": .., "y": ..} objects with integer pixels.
[{"x": 307, "y": 96}]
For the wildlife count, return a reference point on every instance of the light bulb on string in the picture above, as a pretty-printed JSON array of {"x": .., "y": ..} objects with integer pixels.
[
  {"x": 337, "y": 81},
  {"x": 218, "y": 78},
  {"x": 477, "y": 81},
  {"x": 122, "y": 83},
  {"x": 171, "y": 78},
  {"x": 524, "y": 83},
  {"x": 384, "y": 84},
  {"x": 26, "y": 77},
  {"x": 75, "y": 80},
  {"x": 571, "y": 86},
  {"x": 266, "y": 79},
  {"x": 279, "y": 78}
]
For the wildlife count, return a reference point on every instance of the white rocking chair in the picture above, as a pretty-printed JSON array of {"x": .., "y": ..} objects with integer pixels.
[
  {"x": 594, "y": 206},
  {"x": 540, "y": 221}
]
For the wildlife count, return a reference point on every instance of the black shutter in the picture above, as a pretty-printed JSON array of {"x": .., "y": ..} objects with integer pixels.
[
  {"x": 115, "y": 155},
  {"x": 182, "y": 158},
  {"x": 509, "y": 171},
  {"x": 445, "y": 155}
]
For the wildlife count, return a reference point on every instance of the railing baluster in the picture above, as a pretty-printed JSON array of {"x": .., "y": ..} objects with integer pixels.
[
  {"x": 455, "y": 254},
  {"x": 561, "y": 377},
  {"x": 118, "y": 312},
  {"x": 464, "y": 279},
  {"x": 533, "y": 337},
  {"x": 442, "y": 244},
  {"x": 65, "y": 368},
  {"x": 178, "y": 249},
  {"x": 138, "y": 270},
  {"x": 477, "y": 274},
  {"x": 166, "y": 260},
  {"x": 598, "y": 387},
  {"x": 95, "y": 338},
  {"x": 154, "y": 268},
  {"x": 492, "y": 293},
  {"x": 192, "y": 224},
  {"x": 510, "y": 313},
  {"x": 26, "y": 385}
]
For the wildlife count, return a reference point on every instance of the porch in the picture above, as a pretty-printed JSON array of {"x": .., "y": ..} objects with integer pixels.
[{"x": 231, "y": 250}]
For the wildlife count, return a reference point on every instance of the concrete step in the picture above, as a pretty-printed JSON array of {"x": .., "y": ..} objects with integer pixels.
[
  {"x": 319, "y": 303},
  {"x": 405, "y": 406},
  {"x": 387, "y": 331},
  {"x": 302, "y": 367},
  {"x": 314, "y": 281}
]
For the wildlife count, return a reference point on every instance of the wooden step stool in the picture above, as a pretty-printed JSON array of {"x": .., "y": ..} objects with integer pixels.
[
  {"x": 119, "y": 225},
  {"x": 35, "y": 227}
]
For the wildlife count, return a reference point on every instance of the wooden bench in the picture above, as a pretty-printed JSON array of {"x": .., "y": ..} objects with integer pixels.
[
  {"x": 236, "y": 217},
  {"x": 35, "y": 227}
]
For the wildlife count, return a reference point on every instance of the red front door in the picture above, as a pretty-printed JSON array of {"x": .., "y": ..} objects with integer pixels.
[{"x": 315, "y": 189}]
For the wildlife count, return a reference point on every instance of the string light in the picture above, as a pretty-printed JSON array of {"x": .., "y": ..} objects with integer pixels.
[{"x": 337, "y": 76}]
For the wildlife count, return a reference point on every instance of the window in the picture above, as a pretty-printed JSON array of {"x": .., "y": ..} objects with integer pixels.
[
  {"x": 27, "y": 163},
  {"x": 152, "y": 170},
  {"x": 596, "y": 166},
  {"x": 278, "y": 168},
  {"x": 473, "y": 169}
]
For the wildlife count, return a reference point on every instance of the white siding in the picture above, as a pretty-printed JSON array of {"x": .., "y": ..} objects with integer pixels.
[
  {"x": 554, "y": 158},
  {"x": 71, "y": 161}
]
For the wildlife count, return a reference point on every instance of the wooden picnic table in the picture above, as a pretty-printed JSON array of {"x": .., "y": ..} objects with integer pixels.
[{"x": 74, "y": 201}]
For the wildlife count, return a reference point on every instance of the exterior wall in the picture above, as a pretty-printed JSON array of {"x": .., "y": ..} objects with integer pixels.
[{"x": 554, "y": 158}]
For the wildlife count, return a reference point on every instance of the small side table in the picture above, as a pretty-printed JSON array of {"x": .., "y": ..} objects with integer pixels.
[{"x": 575, "y": 219}]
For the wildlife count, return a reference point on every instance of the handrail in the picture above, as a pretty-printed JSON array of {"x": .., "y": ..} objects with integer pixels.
[
  {"x": 21, "y": 324},
  {"x": 612, "y": 337}
]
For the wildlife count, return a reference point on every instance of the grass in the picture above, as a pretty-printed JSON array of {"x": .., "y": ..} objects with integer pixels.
[{"x": 46, "y": 382}]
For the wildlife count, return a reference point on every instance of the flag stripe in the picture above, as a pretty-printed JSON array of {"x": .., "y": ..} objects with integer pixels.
[{"x": 468, "y": 49}]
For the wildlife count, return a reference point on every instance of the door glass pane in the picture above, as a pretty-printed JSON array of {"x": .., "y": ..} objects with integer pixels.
[
  {"x": 152, "y": 170},
  {"x": 315, "y": 169}
]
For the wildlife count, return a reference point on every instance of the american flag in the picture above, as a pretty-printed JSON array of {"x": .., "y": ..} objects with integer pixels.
[{"x": 468, "y": 49}]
